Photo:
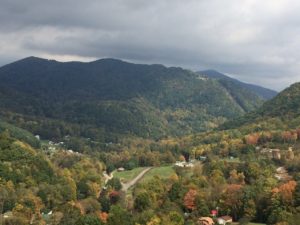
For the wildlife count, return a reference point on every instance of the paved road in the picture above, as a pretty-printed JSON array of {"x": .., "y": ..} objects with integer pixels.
[
  {"x": 107, "y": 177},
  {"x": 128, "y": 185}
]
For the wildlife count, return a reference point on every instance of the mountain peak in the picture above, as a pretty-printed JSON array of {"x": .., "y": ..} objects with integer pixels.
[
  {"x": 34, "y": 59},
  {"x": 264, "y": 93},
  {"x": 214, "y": 74},
  {"x": 108, "y": 60}
]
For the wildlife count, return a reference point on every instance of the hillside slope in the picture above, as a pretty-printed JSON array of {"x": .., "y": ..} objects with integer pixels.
[
  {"x": 262, "y": 92},
  {"x": 33, "y": 182},
  {"x": 281, "y": 111}
]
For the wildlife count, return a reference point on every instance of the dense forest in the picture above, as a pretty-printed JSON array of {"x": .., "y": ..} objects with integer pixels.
[{"x": 108, "y": 99}]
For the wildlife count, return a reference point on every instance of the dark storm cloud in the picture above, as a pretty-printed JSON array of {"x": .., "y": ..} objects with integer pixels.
[{"x": 256, "y": 41}]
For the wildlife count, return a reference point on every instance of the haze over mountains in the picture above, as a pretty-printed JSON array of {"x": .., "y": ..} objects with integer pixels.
[{"x": 109, "y": 97}]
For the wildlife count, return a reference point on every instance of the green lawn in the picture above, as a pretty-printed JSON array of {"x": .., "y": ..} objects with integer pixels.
[
  {"x": 163, "y": 172},
  {"x": 233, "y": 160},
  {"x": 128, "y": 175},
  {"x": 250, "y": 223}
]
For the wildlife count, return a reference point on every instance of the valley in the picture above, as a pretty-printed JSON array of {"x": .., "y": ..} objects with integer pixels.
[{"x": 124, "y": 143}]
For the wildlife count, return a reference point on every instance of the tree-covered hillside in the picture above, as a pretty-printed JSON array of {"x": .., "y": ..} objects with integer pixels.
[
  {"x": 19, "y": 133},
  {"x": 32, "y": 184},
  {"x": 108, "y": 97},
  {"x": 284, "y": 109},
  {"x": 264, "y": 93}
]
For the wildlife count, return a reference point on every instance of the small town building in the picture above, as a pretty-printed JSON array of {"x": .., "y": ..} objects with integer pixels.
[
  {"x": 206, "y": 221},
  {"x": 271, "y": 153},
  {"x": 224, "y": 220},
  {"x": 8, "y": 214},
  {"x": 214, "y": 213},
  {"x": 121, "y": 169},
  {"x": 184, "y": 164},
  {"x": 276, "y": 154},
  {"x": 290, "y": 154}
]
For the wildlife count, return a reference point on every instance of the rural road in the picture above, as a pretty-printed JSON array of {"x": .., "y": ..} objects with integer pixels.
[
  {"x": 107, "y": 177},
  {"x": 128, "y": 185}
]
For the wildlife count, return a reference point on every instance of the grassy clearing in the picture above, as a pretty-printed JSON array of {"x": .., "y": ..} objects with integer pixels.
[
  {"x": 163, "y": 172},
  {"x": 232, "y": 160},
  {"x": 128, "y": 175},
  {"x": 250, "y": 223}
]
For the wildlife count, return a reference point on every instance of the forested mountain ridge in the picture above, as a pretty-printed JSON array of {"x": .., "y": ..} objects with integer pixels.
[
  {"x": 109, "y": 97},
  {"x": 286, "y": 104},
  {"x": 262, "y": 92},
  {"x": 283, "y": 108}
]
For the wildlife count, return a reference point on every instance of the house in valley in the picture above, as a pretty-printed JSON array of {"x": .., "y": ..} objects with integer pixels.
[
  {"x": 224, "y": 220},
  {"x": 206, "y": 221}
]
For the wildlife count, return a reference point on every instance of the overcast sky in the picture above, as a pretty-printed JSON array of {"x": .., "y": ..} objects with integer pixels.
[{"x": 253, "y": 40}]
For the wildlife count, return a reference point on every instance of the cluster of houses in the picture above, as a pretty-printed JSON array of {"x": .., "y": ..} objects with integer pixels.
[
  {"x": 53, "y": 147},
  {"x": 214, "y": 219},
  {"x": 189, "y": 164},
  {"x": 271, "y": 153},
  {"x": 277, "y": 153},
  {"x": 282, "y": 174}
]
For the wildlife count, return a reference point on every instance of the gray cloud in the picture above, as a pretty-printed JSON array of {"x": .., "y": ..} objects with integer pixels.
[{"x": 255, "y": 41}]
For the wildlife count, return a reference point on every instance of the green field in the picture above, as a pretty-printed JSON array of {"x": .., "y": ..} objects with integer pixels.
[
  {"x": 128, "y": 175},
  {"x": 233, "y": 160},
  {"x": 163, "y": 172},
  {"x": 250, "y": 223}
]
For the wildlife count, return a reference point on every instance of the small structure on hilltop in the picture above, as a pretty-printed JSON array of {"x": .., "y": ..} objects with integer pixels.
[
  {"x": 206, "y": 221},
  {"x": 224, "y": 220}
]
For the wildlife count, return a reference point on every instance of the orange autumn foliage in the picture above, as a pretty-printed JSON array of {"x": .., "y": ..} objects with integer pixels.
[
  {"x": 252, "y": 139},
  {"x": 189, "y": 199},
  {"x": 103, "y": 216},
  {"x": 289, "y": 136},
  {"x": 233, "y": 193},
  {"x": 286, "y": 191}
]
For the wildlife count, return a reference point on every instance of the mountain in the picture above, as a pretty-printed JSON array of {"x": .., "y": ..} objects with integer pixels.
[
  {"x": 109, "y": 98},
  {"x": 281, "y": 111},
  {"x": 285, "y": 104},
  {"x": 264, "y": 93}
]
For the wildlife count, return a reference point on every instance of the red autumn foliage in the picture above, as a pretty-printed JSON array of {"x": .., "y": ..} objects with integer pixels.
[{"x": 114, "y": 197}]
